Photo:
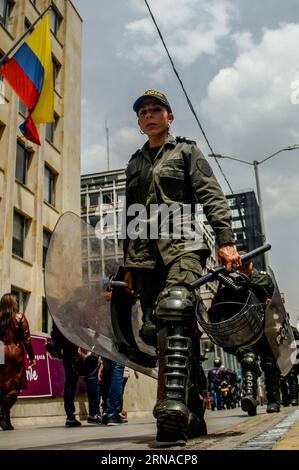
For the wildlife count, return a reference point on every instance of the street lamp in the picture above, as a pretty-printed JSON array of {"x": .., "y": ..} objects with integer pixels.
[{"x": 256, "y": 164}]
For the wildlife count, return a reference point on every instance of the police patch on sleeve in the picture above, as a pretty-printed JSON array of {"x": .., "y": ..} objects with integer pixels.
[{"x": 204, "y": 167}]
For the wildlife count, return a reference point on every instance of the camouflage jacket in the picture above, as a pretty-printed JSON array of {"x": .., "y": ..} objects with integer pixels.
[
  {"x": 178, "y": 175},
  {"x": 262, "y": 285}
]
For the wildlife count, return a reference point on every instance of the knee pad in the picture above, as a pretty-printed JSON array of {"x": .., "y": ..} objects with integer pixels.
[
  {"x": 175, "y": 304},
  {"x": 269, "y": 365},
  {"x": 249, "y": 361}
]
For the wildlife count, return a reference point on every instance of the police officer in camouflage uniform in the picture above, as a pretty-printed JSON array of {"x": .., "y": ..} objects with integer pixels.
[
  {"x": 262, "y": 285},
  {"x": 167, "y": 171}
]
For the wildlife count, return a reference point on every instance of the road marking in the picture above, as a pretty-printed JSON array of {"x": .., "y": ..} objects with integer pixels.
[{"x": 268, "y": 439}]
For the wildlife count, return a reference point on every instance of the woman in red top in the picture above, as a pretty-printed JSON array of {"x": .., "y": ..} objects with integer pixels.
[{"x": 15, "y": 335}]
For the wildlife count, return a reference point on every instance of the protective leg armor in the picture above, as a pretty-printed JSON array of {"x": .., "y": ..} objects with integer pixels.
[
  {"x": 284, "y": 388},
  {"x": 175, "y": 319},
  {"x": 272, "y": 383},
  {"x": 293, "y": 387},
  {"x": 250, "y": 374}
]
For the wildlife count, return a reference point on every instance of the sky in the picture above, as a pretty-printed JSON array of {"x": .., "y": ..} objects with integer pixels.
[{"x": 238, "y": 60}]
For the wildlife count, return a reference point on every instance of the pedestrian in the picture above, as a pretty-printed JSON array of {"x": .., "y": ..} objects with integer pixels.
[
  {"x": 171, "y": 171},
  {"x": 77, "y": 362},
  {"x": 216, "y": 376},
  {"x": 111, "y": 390},
  {"x": 15, "y": 334},
  {"x": 126, "y": 377}
]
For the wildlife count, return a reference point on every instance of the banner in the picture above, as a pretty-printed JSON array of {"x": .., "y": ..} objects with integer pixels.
[{"x": 46, "y": 379}]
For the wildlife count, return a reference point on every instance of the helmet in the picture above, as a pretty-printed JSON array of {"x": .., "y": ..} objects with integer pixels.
[{"x": 217, "y": 362}]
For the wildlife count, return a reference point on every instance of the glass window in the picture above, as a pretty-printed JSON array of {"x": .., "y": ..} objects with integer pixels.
[
  {"x": 46, "y": 242},
  {"x": 93, "y": 220},
  {"x": 4, "y": 6},
  {"x": 22, "y": 108},
  {"x": 27, "y": 25},
  {"x": 21, "y": 164},
  {"x": 18, "y": 239},
  {"x": 55, "y": 21},
  {"x": 45, "y": 317},
  {"x": 56, "y": 71},
  {"x": 49, "y": 186},
  {"x": 94, "y": 199},
  {"x": 108, "y": 198},
  {"x": 50, "y": 129},
  {"x": 22, "y": 297}
]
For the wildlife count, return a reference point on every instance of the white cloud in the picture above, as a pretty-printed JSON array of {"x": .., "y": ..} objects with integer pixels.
[
  {"x": 190, "y": 29},
  {"x": 122, "y": 142},
  {"x": 257, "y": 87}
]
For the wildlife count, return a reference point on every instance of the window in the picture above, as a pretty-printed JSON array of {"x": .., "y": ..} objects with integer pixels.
[
  {"x": 22, "y": 297},
  {"x": 94, "y": 199},
  {"x": 45, "y": 317},
  {"x": 49, "y": 186},
  {"x": 19, "y": 232},
  {"x": 55, "y": 21},
  {"x": 93, "y": 220},
  {"x": 83, "y": 201},
  {"x": 107, "y": 198},
  {"x": 22, "y": 108},
  {"x": 46, "y": 243},
  {"x": 22, "y": 162},
  {"x": 56, "y": 72},
  {"x": 50, "y": 129},
  {"x": 4, "y": 11},
  {"x": 27, "y": 25}
]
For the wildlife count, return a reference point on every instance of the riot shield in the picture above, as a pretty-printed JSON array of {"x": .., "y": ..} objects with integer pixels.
[
  {"x": 78, "y": 266},
  {"x": 279, "y": 332}
]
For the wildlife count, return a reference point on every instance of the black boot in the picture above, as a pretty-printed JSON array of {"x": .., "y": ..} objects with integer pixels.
[
  {"x": 285, "y": 396},
  {"x": 272, "y": 383},
  {"x": 7, "y": 402}
]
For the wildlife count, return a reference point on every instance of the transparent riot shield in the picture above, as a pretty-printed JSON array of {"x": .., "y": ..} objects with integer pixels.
[
  {"x": 279, "y": 332},
  {"x": 79, "y": 263}
]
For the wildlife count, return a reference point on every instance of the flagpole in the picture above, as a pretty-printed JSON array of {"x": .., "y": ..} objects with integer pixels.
[{"x": 5, "y": 57}]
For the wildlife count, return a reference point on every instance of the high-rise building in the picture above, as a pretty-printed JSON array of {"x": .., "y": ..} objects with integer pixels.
[
  {"x": 38, "y": 183},
  {"x": 247, "y": 223}
]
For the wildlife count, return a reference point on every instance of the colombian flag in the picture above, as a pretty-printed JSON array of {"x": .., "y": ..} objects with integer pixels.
[{"x": 30, "y": 73}]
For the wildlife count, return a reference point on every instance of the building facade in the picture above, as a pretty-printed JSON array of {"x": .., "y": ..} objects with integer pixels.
[
  {"x": 38, "y": 183},
  {"x": 247, "y": 223}
]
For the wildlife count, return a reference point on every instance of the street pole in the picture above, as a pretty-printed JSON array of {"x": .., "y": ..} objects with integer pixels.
[{"x": 261, "y": 211}]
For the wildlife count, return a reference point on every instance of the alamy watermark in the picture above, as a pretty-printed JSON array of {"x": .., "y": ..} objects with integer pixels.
[
  {"x": 158, "y": 222},
  {"x": 2, "y": 360}
]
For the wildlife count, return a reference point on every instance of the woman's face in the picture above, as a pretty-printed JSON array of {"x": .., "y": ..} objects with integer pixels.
[{"x": 154, "y": 119}]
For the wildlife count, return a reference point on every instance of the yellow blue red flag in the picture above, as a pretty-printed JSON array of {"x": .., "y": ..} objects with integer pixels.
[{"x": 30, "y": 73}]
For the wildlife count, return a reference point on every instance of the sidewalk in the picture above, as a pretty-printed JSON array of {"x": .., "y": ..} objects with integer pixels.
[{"x": 290, "y": 441}]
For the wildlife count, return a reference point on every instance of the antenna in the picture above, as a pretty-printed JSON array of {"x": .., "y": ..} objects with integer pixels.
[{"x": 107, "y": 144}]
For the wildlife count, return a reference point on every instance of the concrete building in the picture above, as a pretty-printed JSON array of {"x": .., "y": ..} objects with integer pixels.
[
  {"x": 37, "y": 184},
  {"x": 247, "y": 223}
]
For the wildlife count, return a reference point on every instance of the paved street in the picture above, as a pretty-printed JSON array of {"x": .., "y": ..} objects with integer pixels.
[{"x": 228, "y": 429}]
